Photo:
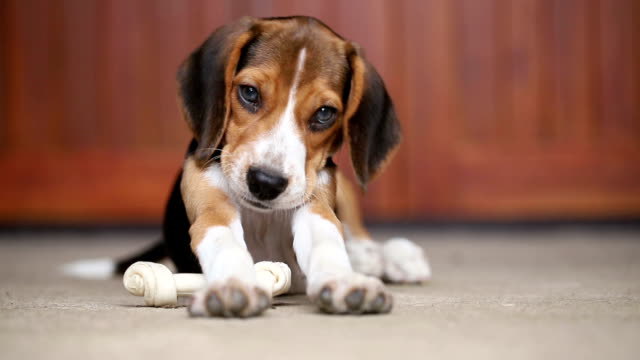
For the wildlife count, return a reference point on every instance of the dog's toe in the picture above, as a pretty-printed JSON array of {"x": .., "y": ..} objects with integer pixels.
[
  {"x": 214, "y": 304},
  {"x": 325, "y": 298},
  {"x": 354, "y": 299},
  {"x": 197, "y": 305},
  {"x": 382, "y": 303},
  {"x": 238, "y": 301}
]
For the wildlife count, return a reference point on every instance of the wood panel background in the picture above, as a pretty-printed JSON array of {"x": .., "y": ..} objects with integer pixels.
[{"x": 511, "y": 109}]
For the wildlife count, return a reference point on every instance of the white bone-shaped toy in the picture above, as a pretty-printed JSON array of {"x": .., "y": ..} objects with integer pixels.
[{"x": 161, "y": 288}]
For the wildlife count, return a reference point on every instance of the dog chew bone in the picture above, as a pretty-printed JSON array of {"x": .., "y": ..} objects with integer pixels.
[{"x": 161, "y": 288}]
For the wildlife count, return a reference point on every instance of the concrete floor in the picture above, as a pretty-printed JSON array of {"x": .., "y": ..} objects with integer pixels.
[{"x": 570, "y": 294}]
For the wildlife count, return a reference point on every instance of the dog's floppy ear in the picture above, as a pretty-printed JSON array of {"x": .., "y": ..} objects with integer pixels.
[
  {"x": 372, "y": 129},
  {"x": 204, "y": 84}
]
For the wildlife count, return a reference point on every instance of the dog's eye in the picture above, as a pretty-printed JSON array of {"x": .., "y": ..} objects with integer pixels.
[
  {"x": 249, "y": 97},
  {"x": 323, "y": 118}
]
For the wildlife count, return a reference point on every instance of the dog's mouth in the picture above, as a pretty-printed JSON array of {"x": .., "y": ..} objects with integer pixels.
[
  {"x": 260, "y": 206},
  {"x": 256, "y": 204}
]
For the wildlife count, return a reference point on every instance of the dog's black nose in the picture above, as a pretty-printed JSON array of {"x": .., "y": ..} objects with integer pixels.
[{"x": 265, "y": 184}]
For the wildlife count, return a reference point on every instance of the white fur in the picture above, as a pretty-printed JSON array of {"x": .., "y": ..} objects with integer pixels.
[
  {"x": 302, "y": 239},
  {"x": 319, "y": 247},
  {"x": 365, "y": 256},
  {"x": 197, "y": 305},
  {"x": 405, "y": 261},
  {"x": 102, "y": 268},
  {"x": 223, "y": 256},
  {"x": 215, "y": 177},
  {"x": 323, "y": 178},
  {"x": 238, "y": 232}
]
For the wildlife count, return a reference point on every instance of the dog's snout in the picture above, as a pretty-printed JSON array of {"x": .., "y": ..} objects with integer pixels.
[{"x": 265, "y": 184}]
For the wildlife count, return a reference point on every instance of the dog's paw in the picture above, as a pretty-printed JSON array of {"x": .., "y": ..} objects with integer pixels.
[
  {"x": 231, "y": 298},
  {"x": 351, "y": 294},
  {"x": 365, "y": 257},
  {"x": 404, "y": 262}
]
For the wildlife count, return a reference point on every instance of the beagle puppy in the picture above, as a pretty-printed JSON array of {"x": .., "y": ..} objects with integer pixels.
[{"x": 269, "y": 101}]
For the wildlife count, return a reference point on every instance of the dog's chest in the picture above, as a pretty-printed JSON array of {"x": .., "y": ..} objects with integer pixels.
[{"x": 269, "y": 238}]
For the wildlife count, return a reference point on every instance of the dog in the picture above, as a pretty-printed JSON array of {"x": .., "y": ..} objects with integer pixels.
[{"x": 269, "y": 102}]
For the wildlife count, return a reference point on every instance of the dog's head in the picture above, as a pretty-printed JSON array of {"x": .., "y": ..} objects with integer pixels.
[{"x": 277, "y": 97}]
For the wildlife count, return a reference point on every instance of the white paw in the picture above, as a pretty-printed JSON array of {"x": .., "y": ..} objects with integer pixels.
[
  {"x": 231, "y": 298},
  {"x": 352, "y": 293},
  {"x": 404, "y": 262},
  {"x": 365, "y": 257}
]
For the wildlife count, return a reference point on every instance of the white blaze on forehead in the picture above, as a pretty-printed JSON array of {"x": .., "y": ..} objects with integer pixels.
[
  {"x": 283, "y": 148},
  {"x": 294, "y": 148},
  {"x": 291, "y": 102}
]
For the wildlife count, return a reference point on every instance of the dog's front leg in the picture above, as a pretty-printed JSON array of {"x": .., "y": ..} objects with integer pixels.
[
  {"x": 218, "y": 242},
  {"x": 331, "y": 282},
  {"x": 228, "y": 269}
]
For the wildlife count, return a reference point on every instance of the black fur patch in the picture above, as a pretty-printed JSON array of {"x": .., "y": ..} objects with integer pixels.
[
  {"x": 374, "y": 130},
  {"x": 202, "y": 86}
]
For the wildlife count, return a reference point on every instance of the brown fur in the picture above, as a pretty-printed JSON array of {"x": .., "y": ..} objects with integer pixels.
[
  {"x": 347, "y": 208},
  {"x": 324, "y": 200},
  {"x": 206, "y": 205}
]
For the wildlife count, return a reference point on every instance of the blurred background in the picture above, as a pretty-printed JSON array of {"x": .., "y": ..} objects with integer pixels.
[{"x": 512, "y": 110}]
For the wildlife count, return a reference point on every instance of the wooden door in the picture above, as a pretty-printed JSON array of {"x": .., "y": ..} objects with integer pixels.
[{"x": 511, "y": 109}]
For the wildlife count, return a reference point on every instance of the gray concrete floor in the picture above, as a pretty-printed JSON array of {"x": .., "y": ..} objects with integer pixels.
[{"x": 571, "y": 294}]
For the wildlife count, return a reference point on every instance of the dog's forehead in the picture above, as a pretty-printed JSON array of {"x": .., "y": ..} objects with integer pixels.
[{"x": 279, "y": 45}]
